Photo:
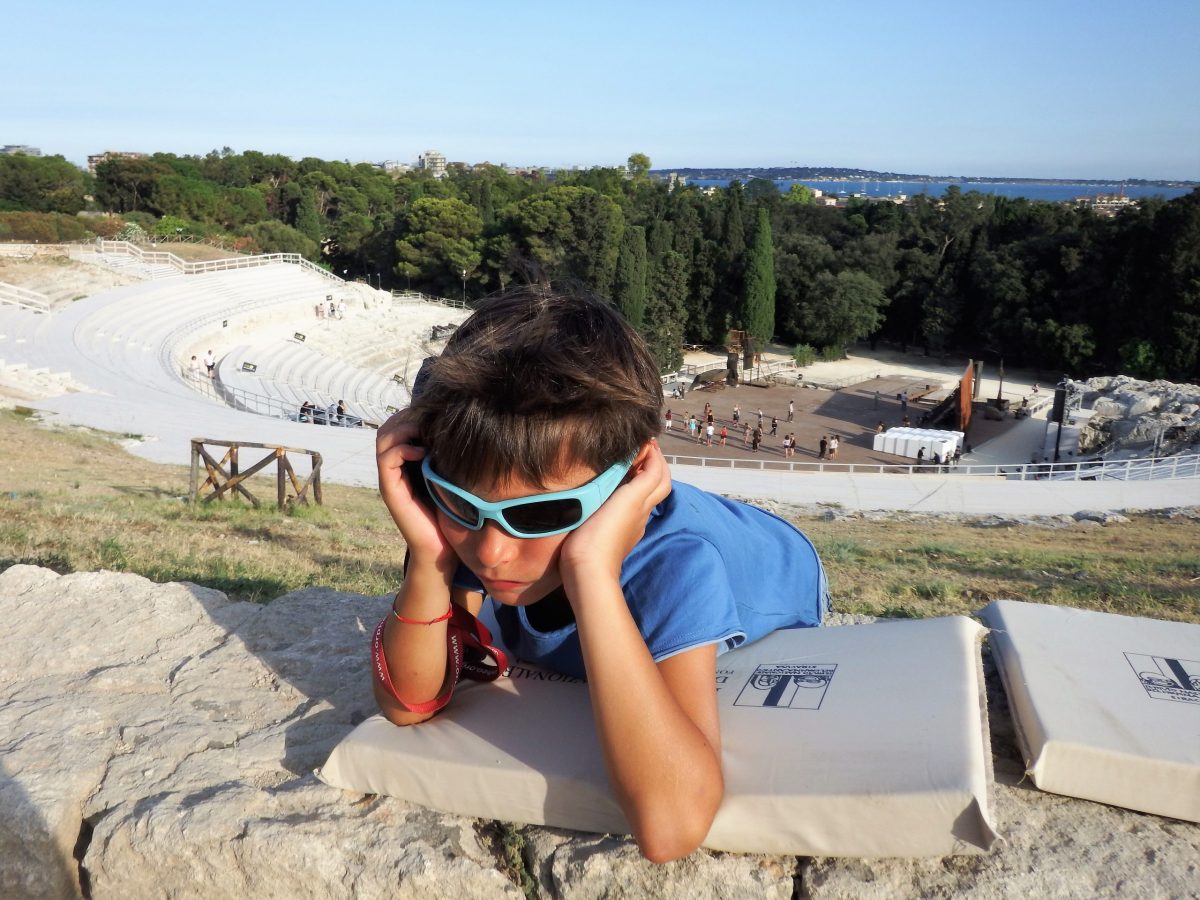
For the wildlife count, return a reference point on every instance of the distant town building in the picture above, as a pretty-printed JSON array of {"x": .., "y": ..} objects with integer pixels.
[
  {"x": 675, "y": 180},
  {"x": 1106, "y": 204},
  {"x": 23, "y": 149},
  {"x": 391, "y": 165},
  {"x": 432, "y": 162},
  {"x": 97, "y": 158}
]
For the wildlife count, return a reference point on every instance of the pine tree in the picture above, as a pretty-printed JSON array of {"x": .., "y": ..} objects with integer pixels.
[
  {"x": 629, "y": 285},
  {"x": 758, "y": 306}
]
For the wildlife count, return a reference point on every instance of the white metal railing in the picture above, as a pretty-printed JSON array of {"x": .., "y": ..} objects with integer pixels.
[
  {"x": 418, "y": 297},
  {"x": 21, "y": 251},
  {"x": 261, "y": 404},
  {"x": 1096, "y": 470},
  {"x": 762, "y": 372},
  {"x": 185, "y": 267},
  {"x": 836, "y": 384},
  {"x": 26, "y": 299},
  {"x": 754, "y": 373}
]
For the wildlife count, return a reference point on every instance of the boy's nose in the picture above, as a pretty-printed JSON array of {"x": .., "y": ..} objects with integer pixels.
[{"x": 493, "y": 545}]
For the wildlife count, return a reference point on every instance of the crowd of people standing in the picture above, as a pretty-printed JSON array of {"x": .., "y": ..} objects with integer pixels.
[{"x": 706, "y": 429}]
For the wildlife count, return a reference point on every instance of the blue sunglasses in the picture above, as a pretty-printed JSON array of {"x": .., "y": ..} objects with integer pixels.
[{"x": 538, "y": 515}]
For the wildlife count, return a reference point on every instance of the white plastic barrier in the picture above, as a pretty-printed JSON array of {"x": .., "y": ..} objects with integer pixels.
[{"x": 908, "y": 442}]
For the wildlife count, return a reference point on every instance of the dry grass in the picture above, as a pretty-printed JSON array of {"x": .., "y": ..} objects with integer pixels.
[
  {"x": 1147, "y": 567},
  {"x": 74, "y": 501}
]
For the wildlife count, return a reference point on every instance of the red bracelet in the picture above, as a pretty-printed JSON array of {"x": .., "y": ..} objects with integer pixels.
[
  {"x": 407, "y": 621},
  {"x": 468, "y": 647}
]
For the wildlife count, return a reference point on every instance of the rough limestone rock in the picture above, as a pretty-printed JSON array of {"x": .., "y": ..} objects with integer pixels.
[
  {"x": 1107, "y": 406},
  {"x": 167, "y": 736},
  {"x": 1101, "y": 516},
  {"x": 159, "y": 741},
  {"x": 1138, "y": 403},
  {"x": 1130, "y": 414}
]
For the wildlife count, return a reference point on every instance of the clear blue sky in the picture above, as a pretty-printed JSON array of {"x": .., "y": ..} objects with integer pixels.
[{"x": 1087, "y": 88}]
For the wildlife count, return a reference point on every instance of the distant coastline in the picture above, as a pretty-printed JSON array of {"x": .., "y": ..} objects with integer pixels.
[{"x": 835, "y": 174}]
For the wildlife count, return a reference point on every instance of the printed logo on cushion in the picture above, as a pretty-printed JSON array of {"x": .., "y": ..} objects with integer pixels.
[
  {"x": 1165, "y": 678},
  {"x": 787, "y": 686}
]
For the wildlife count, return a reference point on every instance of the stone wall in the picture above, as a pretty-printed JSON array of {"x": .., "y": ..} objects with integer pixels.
[{"x": 159, "y": 741}]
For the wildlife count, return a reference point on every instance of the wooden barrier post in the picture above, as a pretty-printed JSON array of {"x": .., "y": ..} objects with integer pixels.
[{"x": 225, "y": 481}]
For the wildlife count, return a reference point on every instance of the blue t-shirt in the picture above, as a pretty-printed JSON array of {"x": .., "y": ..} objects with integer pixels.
[{"x": 707, "y": 571}]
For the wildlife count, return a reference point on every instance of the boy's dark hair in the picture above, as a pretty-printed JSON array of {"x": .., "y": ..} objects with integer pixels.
[{"x": 539, "y": 378}]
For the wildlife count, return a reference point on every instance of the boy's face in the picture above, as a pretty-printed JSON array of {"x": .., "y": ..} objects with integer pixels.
[{"x": 514, "y": 571}]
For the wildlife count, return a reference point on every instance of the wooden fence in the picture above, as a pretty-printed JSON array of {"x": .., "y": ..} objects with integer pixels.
[{"x": 226, "y": 477}]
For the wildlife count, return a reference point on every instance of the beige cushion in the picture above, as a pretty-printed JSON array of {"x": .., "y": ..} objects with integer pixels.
[
  {"x": 1107, "y": 707},
  {"x": 866, "y": 740}
]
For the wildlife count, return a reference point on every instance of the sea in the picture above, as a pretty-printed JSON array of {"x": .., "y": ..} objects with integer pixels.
[{"x": 1057, "y": 191}]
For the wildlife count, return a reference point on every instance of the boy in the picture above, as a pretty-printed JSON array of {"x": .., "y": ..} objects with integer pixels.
[{"x": 535, "y": 436}]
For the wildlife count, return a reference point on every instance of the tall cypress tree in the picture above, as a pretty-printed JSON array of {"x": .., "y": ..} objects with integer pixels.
[
  {"x": 666, "y": 310},
  {"x": 308, "y": 221},
  {"x": 758, "y": 305},
  {"x": 629, "y": 285},
  {"x": 731, "y": 284}
]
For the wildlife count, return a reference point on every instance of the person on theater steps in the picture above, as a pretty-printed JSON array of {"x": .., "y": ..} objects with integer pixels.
[{"x": 546, "y": 495}]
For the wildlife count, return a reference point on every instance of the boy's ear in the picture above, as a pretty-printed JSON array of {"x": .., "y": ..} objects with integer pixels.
[{"x": 642, "y": 453}]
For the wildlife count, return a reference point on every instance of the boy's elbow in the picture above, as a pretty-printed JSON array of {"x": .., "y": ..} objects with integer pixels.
[
  {"x": 674, "y": 832},
  {"x": 673, "y": 840},
  {"x": 397, "y": 714}
]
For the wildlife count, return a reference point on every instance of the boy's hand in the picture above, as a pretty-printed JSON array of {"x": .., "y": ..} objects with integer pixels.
[
  {"x": 395, "y": 444},
  {"x": 604, "y": 540}
]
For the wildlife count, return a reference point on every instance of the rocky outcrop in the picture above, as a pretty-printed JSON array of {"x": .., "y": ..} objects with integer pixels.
[
  {"x": 159, "y": 741},
  {"x": 1131, "y": 415}
]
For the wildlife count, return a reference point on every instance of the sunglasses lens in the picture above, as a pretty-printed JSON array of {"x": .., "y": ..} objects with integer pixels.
[
  {"x": 544, "y": 516},
  {"x": 455, "y": 506}
]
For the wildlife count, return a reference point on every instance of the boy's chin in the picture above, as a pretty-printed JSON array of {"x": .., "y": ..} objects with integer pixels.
[{"x": 525, "y": 595}]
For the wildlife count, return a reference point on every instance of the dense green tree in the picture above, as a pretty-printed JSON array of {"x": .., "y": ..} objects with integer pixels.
[
  {"x": 732, "y": 240},
  {"x": 1172, "y": 286},
  {"x": 439, "y": 244},
  {"x": 308, "y": 220},
  {"x": 758, "y": 302},
  {"x": 799, "y": 259},
  {"x": 1065, "y": 347},
  {"x": 1139, "y": 359},
  {"x": 842, "y": 309},
  {"x": 704, "y": 323},
  {"x": 275, "y": 237},
  {"x": 968, "y": 273},
  {"x": 567, "y": 231},
  {"x": 125, "y": 185},
  {"x": 41, "y": 184},
  {"x": 629, "y": 286},
  {"x": 666, "y": 310},
  {"x": 801, "y": 194}
]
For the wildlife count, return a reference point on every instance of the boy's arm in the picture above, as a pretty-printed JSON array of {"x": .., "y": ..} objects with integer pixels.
[
  {"x": 658, "y": 726},
  {"x": 657, "y": 723},
  {"x": 415, "y": 654}
]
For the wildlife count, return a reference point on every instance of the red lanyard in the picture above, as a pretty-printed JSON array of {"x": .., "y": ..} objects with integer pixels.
[{"x": 468, "y": 647}]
